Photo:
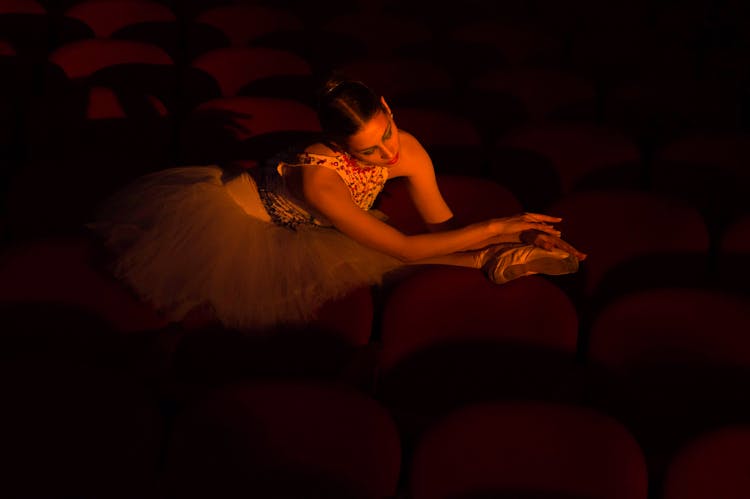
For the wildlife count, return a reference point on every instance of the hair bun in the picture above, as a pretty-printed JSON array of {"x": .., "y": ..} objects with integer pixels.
[
  {"x": 331, "y": 85},
  {"x": 337, "y": 81}
]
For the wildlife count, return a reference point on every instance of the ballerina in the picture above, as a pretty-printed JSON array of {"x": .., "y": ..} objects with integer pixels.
[{"x": 269, "y": 245}]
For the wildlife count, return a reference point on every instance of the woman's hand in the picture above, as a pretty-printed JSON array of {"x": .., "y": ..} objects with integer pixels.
[
  {"x": 549, "y": 242},
  {"x": 517, "y": 224}
]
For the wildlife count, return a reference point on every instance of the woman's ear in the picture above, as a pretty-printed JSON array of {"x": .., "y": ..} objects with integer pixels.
[{"x": 385, "y": 105}]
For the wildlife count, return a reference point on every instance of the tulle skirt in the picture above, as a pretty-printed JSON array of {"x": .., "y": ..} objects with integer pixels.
[{"x": 183, "y": 238}]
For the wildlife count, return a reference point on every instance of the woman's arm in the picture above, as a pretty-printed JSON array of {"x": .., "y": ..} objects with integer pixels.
[
  {"x": 419, "y": 173},
  {"x": 329, "y": 195},
  {"x": 417, "y": 169}
]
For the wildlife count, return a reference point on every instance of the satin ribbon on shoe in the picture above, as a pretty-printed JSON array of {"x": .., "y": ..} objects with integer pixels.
[{"x": 503, "y": 263}]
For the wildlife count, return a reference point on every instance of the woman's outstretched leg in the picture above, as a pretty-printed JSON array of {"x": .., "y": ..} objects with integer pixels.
[{"x": 505, "y": 262}]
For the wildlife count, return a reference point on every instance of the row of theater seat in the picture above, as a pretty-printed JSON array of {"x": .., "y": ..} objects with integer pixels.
[
  {"x": 649, "y": 108},
  {"x": 639, "y": 254},
  {"x": 72, "y": 430},
  {"x": 432, "y": 338},
  {"x": 673, "y": 354},
  {"x": 540, "y": 165},
  {"x": 495, "y": 55},
  {"x": 541, "y": 130},
  {"x": 640, "y": 354},
  {"x": 99, "y": 108},
  {"x": 635, "y": 239},
  {"x": 532, "y": 32}
]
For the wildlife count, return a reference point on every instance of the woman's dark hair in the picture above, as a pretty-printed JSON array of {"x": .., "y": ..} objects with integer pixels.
[{"x": 344, "y": 105}]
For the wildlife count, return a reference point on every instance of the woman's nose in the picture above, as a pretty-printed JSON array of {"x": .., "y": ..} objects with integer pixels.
[{"x": 388, "y": 153}]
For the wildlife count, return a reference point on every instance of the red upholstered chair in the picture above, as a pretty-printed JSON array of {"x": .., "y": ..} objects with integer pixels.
[
  {"x": 72, "y": 430},
  {"x": 221, "y": 24},
  {"x": 733, "y": 255},
  {"x": 245, "y": 129},
  {"x": 478, "y": 40},
  {"x": 252, "y": 71},
  {"x": 659, "y": 106},
  {"x": 547, "y": 93},
  {"x": 139, "y": 20},
  {"x": 54, "y": 28},
  {"x": 131, "y": 68},
  {"x": 707, "y": 170},
  {"x": 713, "y": 464},
  {"x": 450, "y": 337},
  {"x": 634, "y": 240},
  {"x": 22, "y": 7},
  {"x": 572, "y": 156},
  {"x": 611, "y": 52},
  {"x": 242, "y": 22},
  {"x": 85, "y": 57},
  {"x": 16, "y": 89},
  {"x": 671, "y": 362},
  {"x": 729, "y": 61},
  {"x": 284, "y": 438},
  {"x": 106, "y": 17},
  {"x": 27, "y": 26},
  {"x": 486, "y": 38},
  {"x": 188, "y": 9},
  {"x": 104, "y": 116},
  {"x": 138, "y": 67},
  {"x": 334, "y": 346},
  {"x": 536, "y": 450},
  {"x": 325, "y": 50},
  {"x": 69, "y": 271},
  {"x": 522, "y": 44},
  {"x": 405, "y": 81},
  {"x": 60, "y": 303},
  {"x": 6, "y": 49},
  {"x": 453, "y": 141},
  {"x": 78, "y": 179},
  {"x": 472, "y": 199},
  {"x": 494, "y": 112},
  {"x": 367, "y": 26}
]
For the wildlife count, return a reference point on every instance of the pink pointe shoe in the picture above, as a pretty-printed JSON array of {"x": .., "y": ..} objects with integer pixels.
[{"x": 505, "y": 263}]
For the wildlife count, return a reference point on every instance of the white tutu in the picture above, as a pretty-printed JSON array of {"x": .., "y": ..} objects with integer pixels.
[{"x": 183, "y": 238}]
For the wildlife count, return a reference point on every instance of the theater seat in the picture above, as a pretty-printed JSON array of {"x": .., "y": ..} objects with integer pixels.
[
  {"x": 712, "y": 464},
  {"x": 283, "y": 438},
  {"x": 671, "y": 362},
  {"x": 450, "y": 337},
  {"x": 532, "y": 450}
]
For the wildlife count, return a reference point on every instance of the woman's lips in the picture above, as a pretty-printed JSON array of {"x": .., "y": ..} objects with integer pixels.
[{"x": 394, "y": 160}]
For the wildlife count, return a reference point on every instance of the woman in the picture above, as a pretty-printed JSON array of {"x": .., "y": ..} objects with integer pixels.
[{"x": 271, "y": 245}]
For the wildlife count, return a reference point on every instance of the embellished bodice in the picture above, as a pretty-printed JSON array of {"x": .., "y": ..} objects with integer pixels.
[{"x": 364, "y": 183}]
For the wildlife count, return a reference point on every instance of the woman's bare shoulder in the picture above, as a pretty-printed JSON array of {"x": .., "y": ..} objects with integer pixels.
[
  {"x": 318, "y": 171},
  {"x": 413, "y": 147},
  {"x": 414, "y": 157},
  {"x": 316, "y": 175},
  {"x": 407, "y": 138}
]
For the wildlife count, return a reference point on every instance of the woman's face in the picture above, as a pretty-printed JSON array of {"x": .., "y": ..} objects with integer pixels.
[{"x": 377, "y": 142}]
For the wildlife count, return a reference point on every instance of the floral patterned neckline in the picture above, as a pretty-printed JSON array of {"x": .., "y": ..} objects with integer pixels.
[{"x": 364, "y": 182}]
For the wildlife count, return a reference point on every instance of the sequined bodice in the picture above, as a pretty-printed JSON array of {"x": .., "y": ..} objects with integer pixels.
[{"x": 364, "y": 183}]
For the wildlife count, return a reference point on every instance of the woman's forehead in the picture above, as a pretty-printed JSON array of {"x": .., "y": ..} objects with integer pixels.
[{"x": 371, "y": 132}]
